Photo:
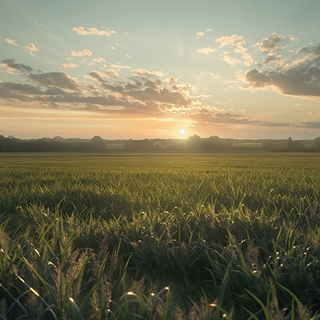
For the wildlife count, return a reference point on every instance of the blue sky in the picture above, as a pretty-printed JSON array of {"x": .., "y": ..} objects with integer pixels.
[{"x": 146, "y": 69}]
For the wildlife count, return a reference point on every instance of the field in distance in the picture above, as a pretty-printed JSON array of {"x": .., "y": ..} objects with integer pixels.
[{"x": 159, "y": 236}]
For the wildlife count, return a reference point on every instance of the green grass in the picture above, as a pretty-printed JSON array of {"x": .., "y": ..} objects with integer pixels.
[{"x": 159, "y": 236}]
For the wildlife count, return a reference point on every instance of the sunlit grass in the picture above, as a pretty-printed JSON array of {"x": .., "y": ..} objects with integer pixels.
[{"x": 159, "y": 237}]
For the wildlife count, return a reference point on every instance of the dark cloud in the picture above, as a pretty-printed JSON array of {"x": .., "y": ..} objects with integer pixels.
[
  {"x": 115, "y": 88},
  {"x": 55, "y": 79},
  {"x": 274, "y": 124},
  {"x": 11, "y": 88},
  {"x": 311, "y": 124},
  {"x": 17, "y": 66},
  {"x": 151, "y": 84},
  {"x": 207, "y": 117},
  {"x": 136, "y": 85},
  {"x": 272, "y": 59},
  {"x": 96, "y": 75},
  {"x": 299, "y": 79},
  {"x": 58, "y": 89},
  {"x": 271, "y": 44},
  {"x": 314, "y": 50},
  {"x": 160, "y": 95}
]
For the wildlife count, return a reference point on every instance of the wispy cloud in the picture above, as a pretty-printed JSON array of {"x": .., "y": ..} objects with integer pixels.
[
  {"x": 93, "y": 31},
  {"x": 11, "y": 41},
  {"x": 234, "y": 40},
  {"x": 69, "y": 65},
  {"x": 32, "y": 48},
  {"x": 119, "y": 67},
  {"x": 96, "y": 60},
  {"x": 311, "y": 124},
  {"x": 85, "y": 52},
  {"x": 230, "y": 60},
  {"x": 200, "y": 34},
  {"x": 207, "y": 50}
]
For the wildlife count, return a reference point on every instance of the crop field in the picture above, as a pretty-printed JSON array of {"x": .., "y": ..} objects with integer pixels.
[{"x": 159, "y": 236}]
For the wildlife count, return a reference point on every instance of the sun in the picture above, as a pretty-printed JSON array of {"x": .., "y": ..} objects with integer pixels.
[{"x": 182, "y": 131}]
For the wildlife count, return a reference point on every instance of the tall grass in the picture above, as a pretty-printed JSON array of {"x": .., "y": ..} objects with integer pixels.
[{"x": 159, "y": 237}]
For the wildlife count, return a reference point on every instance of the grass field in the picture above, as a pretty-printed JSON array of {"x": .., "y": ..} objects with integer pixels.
[{"x": 159, "y": 236}]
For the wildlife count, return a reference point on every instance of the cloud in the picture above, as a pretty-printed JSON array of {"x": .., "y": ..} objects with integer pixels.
[
  {"x": 111, "y": 73},
  {"x": 311, "y": 124},
  {"x": 96, "y": 60},
  {"x": 13, "y": 90},
  {"x": 93, "y": 31},
  {"x": 153, "y": 84},
  {"x": 199, "y": 34},
  {"x": 206, "y": 50},
  {"x": 272, "y": 58},
  {"x": 272, "y": 43},
  {"x": 11, "y": 41},
  {"x": 214, "y": 75},
  {"x": 163, "y": 95},
  {"x": 11, "y": 65},
  {"x": 32, "y": 48},
  {"x": 85, "y": 52},
  {"x": 230, "y": 60},
  {"x": 143, "y": 74},
  {"x": 301, "y": 80},
  {"x": 312, "y": 50},
  {"x": 235, "y": 41},
  {"x": 55, "y": 79},
  {"x": 119, "y": 67},
  {"x": 69, "y": 65},
  {"x": 96, "y": 76},
  {"x": 136, "y": 85},
  {"x": 144, "y": 94}
]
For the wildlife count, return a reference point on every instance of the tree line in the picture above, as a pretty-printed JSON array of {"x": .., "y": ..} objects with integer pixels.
[
  {"x": 57, "y": 144},
  {"x": 191, "y": 144}
]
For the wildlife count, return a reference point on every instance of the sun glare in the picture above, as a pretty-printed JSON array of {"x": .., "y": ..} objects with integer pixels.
[{"x": 182, "y": 131}]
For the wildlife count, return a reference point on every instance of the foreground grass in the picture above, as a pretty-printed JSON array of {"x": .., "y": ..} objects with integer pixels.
[{"x": 159, "y": 237}]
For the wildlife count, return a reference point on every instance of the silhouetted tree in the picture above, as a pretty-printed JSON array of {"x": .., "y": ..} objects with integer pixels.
[
  {"x": 99, "y": 144},
  {"x": 193, "y": 143},
  {"x": 267, "y": 144},
  {"x": 295, "y": 145},
  {"x": 290, "y": 142},
  {"x": 316, "y": 144}
]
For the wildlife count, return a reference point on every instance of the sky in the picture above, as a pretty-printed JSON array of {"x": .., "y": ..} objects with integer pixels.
[{"x": 147, "y": 68}]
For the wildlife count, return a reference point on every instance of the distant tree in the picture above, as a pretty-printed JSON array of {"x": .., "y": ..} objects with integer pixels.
[
  {"x": 98, "y": 143},
  {"x": 11, "y": 144},
  {"x": 316, "y": 144},
  {"x": 295, "y": 145},
  {"x": 290, "y": 143},
  {"x": 267, "y": 144},
  {"x": 193, "y": 143},
  {"x": 2, "y": 138}
]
